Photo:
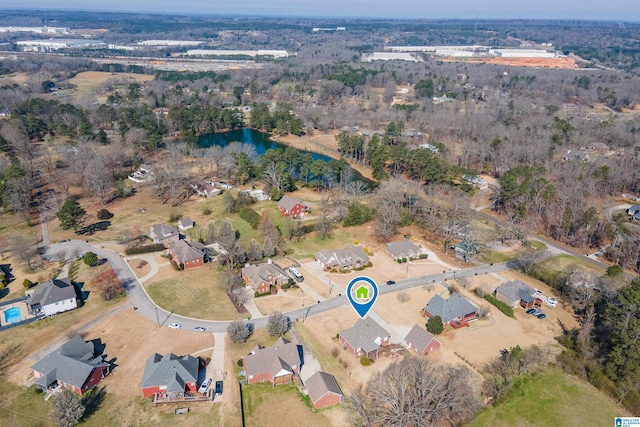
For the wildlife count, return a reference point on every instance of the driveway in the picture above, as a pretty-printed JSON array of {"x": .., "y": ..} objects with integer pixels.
[{"x": 310, "y": 362}]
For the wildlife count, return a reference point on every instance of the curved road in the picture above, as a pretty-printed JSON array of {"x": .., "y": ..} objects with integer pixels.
[{"x": 139, "y": 297}]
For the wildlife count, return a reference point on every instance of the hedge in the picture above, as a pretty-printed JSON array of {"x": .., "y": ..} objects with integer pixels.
[
  {"x": 503, "y": 307},
  {"x": 145, "y": 249},
  {"x": 251, "y": 216}
]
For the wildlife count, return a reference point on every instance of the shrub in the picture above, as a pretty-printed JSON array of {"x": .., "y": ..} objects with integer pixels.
[
  {"x": 335, "y": 352},
  {"x": 90, "y": 259},
  {"x": 276, "y": 194},
  {"x": 434, "y": 325},
  {"x": 142, "y": 263},
  {"x": 27, "y": 283},
  {"x": 206, "y": 211},
  {"x": 108, "y": 285},
  {"x": 503, "y": 307},
  {"x": 251, "y": 216},
  {"x": 423, "y": 256},
  {"x": 104, "y": 214},
  {"x": 145, "y": 249},
  {"x": 365, "y": 361},
  {"x": 614, "y": 270}
]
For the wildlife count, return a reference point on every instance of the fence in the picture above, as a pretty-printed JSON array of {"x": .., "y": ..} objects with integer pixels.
[
  {"x": 22, "y": 322},
  {"x": 11, "y": 301}
]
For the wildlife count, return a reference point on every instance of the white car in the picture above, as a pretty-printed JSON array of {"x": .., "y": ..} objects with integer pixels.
[
  {"x": 175, "y": 325},
  {"x": 551, "y": 302},
  {"x": 205, "y": 385}
]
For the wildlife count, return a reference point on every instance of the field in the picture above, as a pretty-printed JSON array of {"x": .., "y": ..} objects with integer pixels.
[
  {"x": 90, "y": 82},
  {"x": 551, "y": 398},
  {"x": 568, "y": 63}
]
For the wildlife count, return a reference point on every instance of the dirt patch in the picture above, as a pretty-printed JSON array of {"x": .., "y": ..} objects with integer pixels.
[
  {"x": 140, "y": 267},
  {"x": 567, "y": 63}
]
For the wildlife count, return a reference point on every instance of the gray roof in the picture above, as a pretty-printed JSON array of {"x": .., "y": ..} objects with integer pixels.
[
  {"x": 259, "y": 273},
  {"x": 163, "y": 231},
  {"x": 634, "y": 208},
  {"x": 364, "y": 335},
  {"x": 402, "y": 248},
  {"x": 170, "y": 370},
  {"x": 187, "y": 251},
  {"x": 343, "y": 257},
  {"x": 282, "y": 355},
  {"x": 419, "y": 338},
  {"x": 72, "y": 363},
  {"x": 289, "y": 202},
  {"x": 320, "y": 384},
  {"x": 51, "y": 292},
  {"x": 185, "y": 222},
  {"x": 516, "y": 291},
  {"x": 454, "y": 307}
]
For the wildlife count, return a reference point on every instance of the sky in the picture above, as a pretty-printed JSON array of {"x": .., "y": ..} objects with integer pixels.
[{"x": 616, "y": 10}]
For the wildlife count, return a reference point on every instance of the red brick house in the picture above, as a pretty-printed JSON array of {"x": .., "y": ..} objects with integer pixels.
[
  {"x": 170, "y": 376},
  {"x": 260, "y": 277},
  {"x": 365, "y": 338},
  {"x": 323, "y": 390},
  {"x": 187, "y": 254},
  {"x": 292, "y": 207},
  {"x": 77, "y": 365},
  {"x": 455, "y": 309},
  {"x": 278, "y": 364},
  {"x": 421, "y": 341}
]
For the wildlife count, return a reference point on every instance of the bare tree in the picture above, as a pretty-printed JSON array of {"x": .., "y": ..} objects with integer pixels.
[
  {"x": 403, "y": 297},
  {"x": 67, "y": 409},
  {"x": 239, "y": 331},
  {"x": 254, "y": 251},
  {"x": 24, "y": 250},
  {"x": 278, "y": 324}
]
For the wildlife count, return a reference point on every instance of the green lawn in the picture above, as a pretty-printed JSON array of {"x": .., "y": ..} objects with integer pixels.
[
  {"x": 328, "y": 363},
  {"x": 551, "y": 398}
]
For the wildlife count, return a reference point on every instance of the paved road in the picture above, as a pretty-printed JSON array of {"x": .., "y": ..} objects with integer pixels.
[{"x": 139, "y": 298}]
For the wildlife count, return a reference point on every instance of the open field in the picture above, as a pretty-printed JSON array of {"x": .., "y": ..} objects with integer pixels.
[
  {"x": 90, "y": 82},
  {"x": 568, "y": 63},
  {"x": 288, "y": 300},
  {"x": 195, "y": 293},
  {"x": 551, "y": 398}
]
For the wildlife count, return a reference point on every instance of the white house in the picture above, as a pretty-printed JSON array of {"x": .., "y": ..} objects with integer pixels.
[{"x": 51, "y": 297}]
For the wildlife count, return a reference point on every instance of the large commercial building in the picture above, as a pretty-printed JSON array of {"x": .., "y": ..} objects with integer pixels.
[
  {"x": 57, "y": 44},
  {"x": 231, "y": 53},
  {"x": 522, "y": 53}
]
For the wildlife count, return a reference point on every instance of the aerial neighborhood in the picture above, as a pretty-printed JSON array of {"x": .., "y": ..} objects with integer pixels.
[{"x": 211, "y": 220}]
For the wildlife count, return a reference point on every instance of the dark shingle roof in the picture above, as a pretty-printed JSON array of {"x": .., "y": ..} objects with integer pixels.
[
  {"x": 169, "y": 370},
  {"x": 342, "y": 257},
  {"x": 259, "y": 273},
  {"x": 364, "y": 335},
  {"x": 454, "y": 307},
  {"x": 289, "y": 202},
  {"x": 402, "y": 248},
  {"x": 282, "y": 355},
  {"x": 320, "y": 384},
  {"x": 52, "y": 291},
  {"x": 187, "y": 251},
  {"x": 516, "y": 291},
  {"x": 419, "y": 338}
]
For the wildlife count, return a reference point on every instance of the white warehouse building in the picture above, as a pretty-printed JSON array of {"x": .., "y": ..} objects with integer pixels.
[
  {"x": 252, "y": 53},
  {"x": 390, "y": 56},
  {"x": 56, "y": 44},
  {"x": 522, "y": 53}
]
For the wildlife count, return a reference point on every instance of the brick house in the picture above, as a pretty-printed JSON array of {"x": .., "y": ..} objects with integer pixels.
[
  {"x": 421, "y": 341},
  {"x": 260, "y": 277},
  {"x": 323, "y": 389},
  {"x": 292, "y": 207},
  {"x": 278, "y": 364},
  {"x": 171, "y": 376},
  {"x": 188, "y": 254},
  {"x": 77, "y": 365},
  {"x": 343, "y": 259},
  {"x": 402, "y": 249},
  {"x": 163, "y": 233},
  {"x": 454, "y": 309},
  {"x": 517, "y": 293},
  {"x": 365, "y": 338}
]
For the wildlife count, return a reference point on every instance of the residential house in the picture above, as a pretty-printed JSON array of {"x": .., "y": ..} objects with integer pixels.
[
  {"x": 633, "y": 210},
  {"x": 402, "y": 249},
  {"x": 577, "y": 155},
  {"x": 278, "y": 364},
  {"x": 365, "y": 338},
  {"x": 143, "y": 174},
  {"x": 476, "y": 181},
  {"x": 185, "y": 223},
  {"x": 163, "y": 233},
  {"x": 77, "y": 365},
  {"x": 421, "y": 341},
  {"x": 260, "y": 277},
  {"x": 343, "y": 259},
  {"x": 170, "y": 375},
  {"x": 455, "y": 309},
  {"x": 292, "y": 207},
  {"x": 516, "y": 293},
  {"x": 323, "y": 390},
  {"x": 187, "y": 254},
  {"x": 205, "y": 189},
  {"x": 51, "y": 297}
]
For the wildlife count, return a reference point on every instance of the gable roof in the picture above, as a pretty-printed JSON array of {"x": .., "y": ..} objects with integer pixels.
[
  {"x": 187, "y": 251},
  {"x": 163, "y": 231},
  {"x": 516, "y": 291},
  {"x": 402, "y": 248},
  {"x": 320, "y": 384},
  {"x": 456, "y": 306},
  {"x": 343, "y": 257},
  {"x": 170, "y": 370},
  {"x": 364, "y": 335},
  {"x": 185, "y": 222},
  {"x": 419, "y": 338},
  {"x": 277, "y": 360},
  {"x": 289, "y": 202},
  {"x": 71, "y": 363},
  {"x": 633, "y": 208},
  {"x": 258, "y": 273},
  {"x": 52, "y": 291}
]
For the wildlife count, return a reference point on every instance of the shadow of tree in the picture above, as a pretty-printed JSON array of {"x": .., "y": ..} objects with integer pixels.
[{"x": 93, "y": 400}]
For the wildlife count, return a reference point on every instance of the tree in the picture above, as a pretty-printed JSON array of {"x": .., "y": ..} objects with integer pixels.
[
  {"x": 278, "y": 324},
  {"x": 71, "y": 215},
  {"x": 412, "y": 392},
  {"x": 254, "y": 252},
  {"x": 403, "y": 297},
  {"x": 614, "y": 270},
  {"x": 424, "y": 88},
  {"x": 90, "y": 259},
  {"x": 104, "y": 214},
  {"x": 239, "y": 331},
  {"x": 434, "y": 325},
  {"x": 67, "y": 409},
  {"x": 24, "y": 250},
  {"x": 107, "y": 285}
]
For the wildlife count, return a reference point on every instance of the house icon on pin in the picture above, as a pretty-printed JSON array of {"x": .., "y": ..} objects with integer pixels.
[{"x": 362, "y": 293}]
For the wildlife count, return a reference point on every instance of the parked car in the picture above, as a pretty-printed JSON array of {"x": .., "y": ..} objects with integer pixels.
[
  {"x": 204, "y": 386},
  {"x": 532, "y": 311},
  {"x": 413, "y": 237},
  {"x": 199, "y": 329},
  {"x": 406, "y": 236},
  {"x": 219, "y": 388},
  {"x": 175, "y": 325},
  {"x": 541, "y": 315},
  {"x": 551, "y": 302},
  {"x": 391, "y": 282}
]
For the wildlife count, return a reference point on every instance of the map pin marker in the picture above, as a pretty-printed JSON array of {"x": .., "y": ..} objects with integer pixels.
[{"x": 362, "y": 292}]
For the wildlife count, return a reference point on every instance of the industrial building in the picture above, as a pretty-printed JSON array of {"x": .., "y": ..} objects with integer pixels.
[
  {"x": 390, "y": 56},
  {"x": 160, "y": 43},
  {"x": 251, "y": 53},
  {"x": 522, "y": 53},
  {"x": 57, "y": 44},
  {"x": 38, "y": 30}
]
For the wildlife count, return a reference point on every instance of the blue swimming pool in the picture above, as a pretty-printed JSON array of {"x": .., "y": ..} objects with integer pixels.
[{"x": 12, "y": 315}]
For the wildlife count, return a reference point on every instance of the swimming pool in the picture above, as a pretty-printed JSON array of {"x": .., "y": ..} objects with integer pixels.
[{"x": 12, "y": 315}]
